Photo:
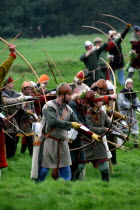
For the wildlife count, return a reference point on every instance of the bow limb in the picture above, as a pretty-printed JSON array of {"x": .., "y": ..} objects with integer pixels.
[
  {"x": 27, "y": 64},
  {"x": 10, "y": 42},
  {"x": 114, "y": 78},
  {"x": 115, "y": 18},
  {"x": 96, "y": 29},
  {"x": 103, "y": 34},
  {"x": 23, "y": 59},
  {"x": 82, "y": 147},
  {"x": 51, "y": 69},
  {"x": 9, "y": 117},
  {"x": 120, "y": 20},
  {"x": 114, "y": 93},
  {"x": 18, "y": 128},
  {"x": 114, "y": 30},
  {"x": 53, "y": 64},
  {"x": 7, "y": 134},
  {"x": 5, "y": 107}
]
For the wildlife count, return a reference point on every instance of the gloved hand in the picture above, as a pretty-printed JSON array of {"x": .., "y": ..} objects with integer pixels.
[
  {"x": 124, "y": 117},
  {"x": 24, "y": 98},
  {"x": 75, "y": 125},
  {"x": 128, "y": 25},
  {"x": 96, "y": 137},
  {"x": 29, "y": 112}
]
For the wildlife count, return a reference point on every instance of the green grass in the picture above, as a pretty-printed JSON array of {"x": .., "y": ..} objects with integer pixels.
[
  {"x": 123, "y": 191},
  {"x": 18, "y": 191},
  {"x": 64, "y": 50}
]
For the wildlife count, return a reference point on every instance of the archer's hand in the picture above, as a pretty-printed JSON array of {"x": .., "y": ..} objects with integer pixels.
[
  {"x": 128, "y": 25},
  {"x": 75, "y": 125},
  {"x": 12, "y": 48}
]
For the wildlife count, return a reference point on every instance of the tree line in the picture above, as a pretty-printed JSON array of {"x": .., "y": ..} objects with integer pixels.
[{"x": 41, "y": 18}]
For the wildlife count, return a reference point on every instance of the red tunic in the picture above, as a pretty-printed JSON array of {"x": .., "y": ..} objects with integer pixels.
[{"x": 136, "y": 62}]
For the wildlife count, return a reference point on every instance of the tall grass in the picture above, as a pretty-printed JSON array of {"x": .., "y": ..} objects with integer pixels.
[{"x": 17, "y": 191}]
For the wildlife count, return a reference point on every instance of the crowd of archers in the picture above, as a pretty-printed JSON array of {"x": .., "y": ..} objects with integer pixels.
[{"x": 77, "y": 123}]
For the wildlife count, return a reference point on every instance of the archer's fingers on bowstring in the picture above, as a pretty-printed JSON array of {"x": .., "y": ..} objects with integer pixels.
[{"x": 12, "y": 48}]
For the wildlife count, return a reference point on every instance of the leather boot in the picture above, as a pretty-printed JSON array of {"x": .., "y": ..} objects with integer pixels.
[
  {"x": 23, "y": 148},
  {"x": 105, "y": 176}
]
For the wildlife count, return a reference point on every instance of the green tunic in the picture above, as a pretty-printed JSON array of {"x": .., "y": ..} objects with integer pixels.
[
  {"x": 98, "y": 122},
  {"x": 91, "y": 63},
  {"x": 4, "y": 68}
]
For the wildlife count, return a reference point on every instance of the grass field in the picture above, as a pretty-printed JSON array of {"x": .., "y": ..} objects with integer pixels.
[{"x": 18, "y": 191}]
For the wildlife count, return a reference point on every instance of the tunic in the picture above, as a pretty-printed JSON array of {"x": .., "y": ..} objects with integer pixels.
[
  {"x": 58, "y": 138},
  {"x": 98, "y": 122},
  {"x": 116, "y": 51},
  {"x": 25, "y": 120},
  {"x": 4, "y": 68},
  {"x": 124, "y": 103},
  {"x": 91, "y": 63},
  {"x": 135, "y": 42}
]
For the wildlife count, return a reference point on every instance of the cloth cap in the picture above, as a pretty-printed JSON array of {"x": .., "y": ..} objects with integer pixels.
[
  {"x": 97, "y": 39},
  {"x": 88, "y": 96},
  {"x": 8, "y": 80},
  {"x": 136, "y": 28},
  {"x": 101, "y": 83},
  {"x": 43, "y": 78},
  {"x": 115, "y": 34},
  {"x": 128, "y": 80},
  {"x": 110, "y": 86},
  {"x": 41, "y": 86},
  {"x": 111, "y": 32},
  {"x": 79, "y": 76},
  {"x": 33, "y": 84},
  {"x": 63, "y": 88},
  {"x": 88, "y": 43},
  {"x": 97, "y": 98},
  {"x": 26, "y": 84}
]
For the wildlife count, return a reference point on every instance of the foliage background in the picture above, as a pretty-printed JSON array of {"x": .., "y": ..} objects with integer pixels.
[{"x": 63, "y": 17}]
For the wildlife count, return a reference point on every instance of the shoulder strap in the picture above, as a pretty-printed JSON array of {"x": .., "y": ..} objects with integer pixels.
[{"x": 62, "y": 117}]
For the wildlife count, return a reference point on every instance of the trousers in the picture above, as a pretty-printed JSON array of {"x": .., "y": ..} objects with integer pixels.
[{"x": 64, "y": 173}]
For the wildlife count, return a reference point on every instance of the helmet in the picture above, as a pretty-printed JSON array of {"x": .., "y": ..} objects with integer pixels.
[
  {"x": 101, "y": 83},
  {"x": 43, "y": 78},
  {"x": 110, "y": 86},
  {"x": 88, "y": 96},
  {"x": 97, "y": 39},
  {"x": 79, "y": 76},
  {"x": 8, "y": 80},
  {"x": 33, "y": 84},
  {"x": 26, "y": 84},
  {"x": 63, "y": 88},
  {"x": 88, "y": 43}
]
